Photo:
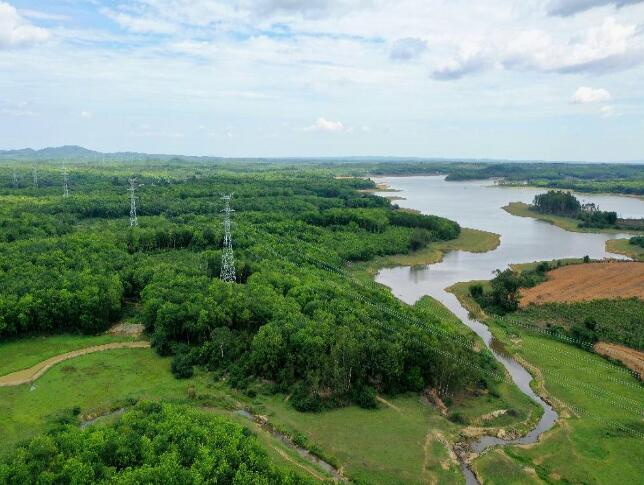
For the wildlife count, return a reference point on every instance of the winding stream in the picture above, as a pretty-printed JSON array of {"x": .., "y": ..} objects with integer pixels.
[{"x": 477, "y": 204}]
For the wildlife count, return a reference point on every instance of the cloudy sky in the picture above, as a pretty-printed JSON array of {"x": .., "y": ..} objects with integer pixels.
[{"x": 524, "y": 79}]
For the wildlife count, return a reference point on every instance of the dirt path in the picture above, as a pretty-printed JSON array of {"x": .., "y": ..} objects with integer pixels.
[
  {"x": 631, "y": 358},
  {"x": 284, "y": 455},
  {"x": 27, "y": 376},
  {"x": 387, "y": 403}
]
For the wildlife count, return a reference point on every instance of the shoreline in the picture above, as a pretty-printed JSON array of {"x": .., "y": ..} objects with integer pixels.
[
  {"x": 506, "y": 185},
  {"x": 521, "y": 209}
]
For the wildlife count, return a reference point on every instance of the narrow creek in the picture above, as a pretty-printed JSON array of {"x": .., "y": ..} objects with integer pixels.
[
  {"x": 478, "y": 204},
  {"x": 287, "y": 441}
]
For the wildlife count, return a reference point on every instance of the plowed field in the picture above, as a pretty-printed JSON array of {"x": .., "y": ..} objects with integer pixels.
[{"x": 583, "y": 282}]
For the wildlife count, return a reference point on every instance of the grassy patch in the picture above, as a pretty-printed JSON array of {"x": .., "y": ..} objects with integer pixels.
[
  {"x": 471, "y": 240},
  {"x": 522, "y": 209},
  {"x": 597, "y": 439},
  {"x": 623, "y": 246},
  {"x": 93, "y": 381},
  {"x": 440, "y": 464},
  {"x": 26, "y": 352},
  {"x": 554, "y": 263},
  {"x": 385, "y": 445}
]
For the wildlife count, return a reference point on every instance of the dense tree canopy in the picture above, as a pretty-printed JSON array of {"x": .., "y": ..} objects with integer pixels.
[
  {"x": 295, "y": 318},
  {"x": 564, "y": 203},
  {"x": 151, "y": 444}
]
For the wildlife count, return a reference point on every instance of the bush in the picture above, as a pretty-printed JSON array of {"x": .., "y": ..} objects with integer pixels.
[
  {"x": 365, "y": 397},
  {"x": 304, "y": 400},
  {"x": 419, "y": 239},
  {"x": 182, "y": 365},
  {"x": 457, "y": 418},
  {"x": 637, "y": 241},
  {"x": 476, "y": 290}
]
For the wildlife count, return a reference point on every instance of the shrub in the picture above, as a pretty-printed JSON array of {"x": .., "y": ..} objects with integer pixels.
[{"x": 182, "y": 365}]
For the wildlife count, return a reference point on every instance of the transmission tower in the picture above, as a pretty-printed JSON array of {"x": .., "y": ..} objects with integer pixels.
[
  {"x": 35, "y": 170},
  {"x": 15, "y": 179},
  {"x": 227, "y": 256},
  {"x": 65, "y": 184},
  {"x": 133, "y": 186}
]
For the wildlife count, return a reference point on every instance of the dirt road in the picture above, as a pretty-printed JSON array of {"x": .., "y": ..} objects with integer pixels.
[{"x": 27, "y": 376}]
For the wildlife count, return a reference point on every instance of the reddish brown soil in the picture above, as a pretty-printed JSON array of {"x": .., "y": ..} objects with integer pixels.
[
  {"x": 583, "y": 282},
  {"x": 631, "y": 358}
]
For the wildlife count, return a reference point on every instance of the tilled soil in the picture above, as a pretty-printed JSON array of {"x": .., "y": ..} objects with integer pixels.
[{"x": 584, "y": 282}]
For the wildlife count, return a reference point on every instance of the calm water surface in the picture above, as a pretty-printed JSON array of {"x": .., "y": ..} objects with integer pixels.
[{"x": 477, "y": 204}]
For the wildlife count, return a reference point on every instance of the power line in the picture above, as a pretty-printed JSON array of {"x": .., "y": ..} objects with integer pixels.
[
  {"x": 65, "y": 184},
  {"x": 227, "y": 256}
]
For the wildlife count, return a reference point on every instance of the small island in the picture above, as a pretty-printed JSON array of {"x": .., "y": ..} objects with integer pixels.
[{"x": 564, "y": 210}]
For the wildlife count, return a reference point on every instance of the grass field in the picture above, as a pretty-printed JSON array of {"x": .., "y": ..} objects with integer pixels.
[
  {"x": 386, "y": 445},
  {"x": 98, "y": 383},
  {"x": 25, "y": 352},
  {"x": 522, "y": 209},
  {"x": 623, "y": 246},
  {"x": 92, "y": 382},
  {"x": 405, "y": 440},
  {"x": 598, "y": 439}
]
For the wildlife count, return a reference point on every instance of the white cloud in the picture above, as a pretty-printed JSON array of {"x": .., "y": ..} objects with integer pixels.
[
  {"x": 86, "y": 115},
  {"x": 16, "y": 31},
  {"x": 37, "y": 14},
  {"x": 140, "y": 24},
  {"x": 611, "y": 46},
  {"x": 470, "y": 60},
  {"x": 564, "y": 8},
  {"x": 407, "y": 48},
  {"x": 585, "y": 94},
  {"x": 607, "y": 111},
  {"x": 322, "y": 124}
]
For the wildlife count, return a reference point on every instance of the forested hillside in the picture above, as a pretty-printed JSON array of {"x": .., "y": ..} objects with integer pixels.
[{"x": 294, "y": 318}]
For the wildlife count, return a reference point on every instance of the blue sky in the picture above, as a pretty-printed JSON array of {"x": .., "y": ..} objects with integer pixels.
[{"x": 524, "y": 79}]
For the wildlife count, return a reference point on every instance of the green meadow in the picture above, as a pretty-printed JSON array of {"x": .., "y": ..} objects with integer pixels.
[{"x": 598, "y": 437}]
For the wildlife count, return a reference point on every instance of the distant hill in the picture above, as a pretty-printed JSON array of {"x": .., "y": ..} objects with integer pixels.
[{"x": 75, "y": 152}]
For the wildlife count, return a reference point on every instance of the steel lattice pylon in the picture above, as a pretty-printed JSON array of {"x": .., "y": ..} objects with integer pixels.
[
  {"x": 65, "y": 184},
  {"x": 134, "y": 221},
  {"x": 227, "y": 256}
]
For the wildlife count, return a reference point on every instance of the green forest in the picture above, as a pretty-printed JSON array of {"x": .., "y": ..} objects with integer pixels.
[
  {"x": 294, "y": 318},
  {"x": 152, "y": 443}
]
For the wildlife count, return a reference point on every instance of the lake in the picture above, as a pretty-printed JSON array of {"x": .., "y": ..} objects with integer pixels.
[{"x": 477, "y": 204}]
